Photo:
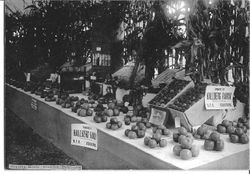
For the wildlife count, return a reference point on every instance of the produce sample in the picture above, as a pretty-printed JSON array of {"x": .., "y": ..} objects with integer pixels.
[
  {"x": 162, "y": 130},
  {"x": 155, "y": 141},
  {"x": 100, "y": 117},
  {"x": 136, "y": 131},
  {"x": 237, "y": 130},
  {"x": 214, "y": 142},
  {"x": 185, "y": 101},
  {"x": 185, "y": 147},
  {"x": 169, "y": 92},
  {"x": 203, "y": 132},
  {"x": 114, "y": 124}
]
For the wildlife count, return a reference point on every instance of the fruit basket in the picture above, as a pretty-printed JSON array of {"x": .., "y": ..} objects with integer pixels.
[
  {"x": 190, "y": 107},
  {"x": 165, "y": 97}
]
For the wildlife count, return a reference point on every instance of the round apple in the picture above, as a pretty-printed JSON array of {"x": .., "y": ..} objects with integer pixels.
[
  {"x": 140, "y": 133},
  {"x": 108, "y": 125},
  {"x": 219, "y": 145},
  {"x": 221, "y": 129},
  {"x": 230, "y": 129},
  {"x": 152, "y": 143},
  {"x": 209, "y": 145},
  {"x": 132, "y": 135},
  {"x": 185, "y": 154},
  {"x": 146, "y": 140},
  {"x": 214, "y": 136},
  {"x": 182, "y": 130},
  {"x": 114, "y": 126},
  {"x": 186, "y": 143},
  {"x": 239, "y": 131},
  {"x": 163, "y": 143},
  {"x": 234, "y": 138},
  {"x": 176, "y": 137},
  {"x": 177, "y": 149},
  {"x": 244, "y": 139}
]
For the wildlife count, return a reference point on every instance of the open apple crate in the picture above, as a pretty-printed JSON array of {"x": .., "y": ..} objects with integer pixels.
[
  {"x": 163, "y": 108},
  {"x": 195, "y": 115}
]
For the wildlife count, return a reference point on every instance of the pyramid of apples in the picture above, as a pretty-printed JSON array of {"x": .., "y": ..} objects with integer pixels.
[{"x": 185, "y": 148}]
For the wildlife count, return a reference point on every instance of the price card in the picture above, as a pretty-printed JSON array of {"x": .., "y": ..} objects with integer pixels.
[
  {"x": 84, "y": 135},
  {"x": 28, "y": 77},
  {"x": 157, "y": 116},
  {"x": 34, "y": 104},
  {"x": 219, "y": 97}
]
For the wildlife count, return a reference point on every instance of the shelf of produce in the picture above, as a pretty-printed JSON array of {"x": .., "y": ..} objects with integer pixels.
[{"x": 115, "y": 150}]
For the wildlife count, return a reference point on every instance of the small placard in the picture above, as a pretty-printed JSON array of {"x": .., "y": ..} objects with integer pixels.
[
  {"x": 157, "y": 116},
  {"x": 34, "y": 104},
  {"x": 177, "y": 122},
  {"x": 219, "y": 97},
  {"x": 84, "y": 135},
  {"x": 28, "y": 77}
]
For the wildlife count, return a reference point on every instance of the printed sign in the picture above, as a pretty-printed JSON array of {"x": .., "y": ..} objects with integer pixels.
[
  {"x": 84, "y": 135},
  {"x": 34, "y": 104},
  {"x": 219, "y": 97},
  {"x": 157, "y": 116}
]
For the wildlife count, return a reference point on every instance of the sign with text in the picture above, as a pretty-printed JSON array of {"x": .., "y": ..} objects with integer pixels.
[
  {"x": 84, "y": 135},
  {"x": 34, "y": 104},
  {"x": 219, "y": 97},
  {"x": 157, "y": 116}
]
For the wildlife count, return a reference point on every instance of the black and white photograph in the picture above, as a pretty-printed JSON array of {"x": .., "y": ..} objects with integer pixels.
[{"x": 126, "y": 85}]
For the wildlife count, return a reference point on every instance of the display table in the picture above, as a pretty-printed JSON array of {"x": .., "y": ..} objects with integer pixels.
[{"x": 115, "y": 150}]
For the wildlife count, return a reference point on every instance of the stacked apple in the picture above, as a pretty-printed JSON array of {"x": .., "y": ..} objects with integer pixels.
[
  {"x": 131, "y": 119},
  {"x": 50, "y": 97},
  {"x": 188, "y": 99},
  {"x": 141, "y": 111},
  {"x": 100, "y": 117},
  {"x": 237, "y": 130},
  {"x": 169, "y": 92},
  {"x": 182, "y": 131},
  {"x": 155, "y": 140},
  {"x": 185, "y": 149},
  {"x": 136, "y": 131},
  {"x": 229, "y": 127},
  {"x": 77, "y": 105},
  {"x": 203, "y": 132},
  {"x": 99, "y": 108},
  {"x": 162, "y": 130},
  {"x": 214, "y": 142},
  {"x": 114, "y": 124},
  {"x": 112, "y": 110},
  {"x": 84, "y": 110}
]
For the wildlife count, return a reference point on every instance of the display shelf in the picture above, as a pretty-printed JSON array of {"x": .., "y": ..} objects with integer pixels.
[{"x": 115, "y": 150}]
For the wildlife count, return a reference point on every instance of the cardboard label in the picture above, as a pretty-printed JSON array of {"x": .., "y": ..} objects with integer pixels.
[
  {"x": 59, "y": 79},
  {"x": 177, "y": 122},
  {"x": 84, "y": 135},
  {"x": 34, "y": 104},
  {"x": 157, "y": 116},
  {"x": 28, "y": 77},
  {"x": 219, "y": 97}
]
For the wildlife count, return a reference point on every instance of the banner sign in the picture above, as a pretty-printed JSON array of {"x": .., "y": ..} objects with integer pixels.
[
  {"x": 219, "y": 97},
  {"x": 34, "y": 104},
  {"x": 157, "y": 116},
  {"x": 84, "y": 135}
]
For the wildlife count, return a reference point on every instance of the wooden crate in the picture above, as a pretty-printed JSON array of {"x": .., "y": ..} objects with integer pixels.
[
  {"x": 196, "y": 115},
  {"x": 164, "y": 108}
]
